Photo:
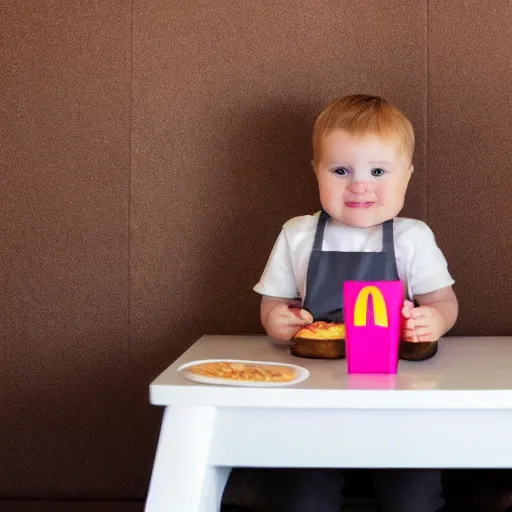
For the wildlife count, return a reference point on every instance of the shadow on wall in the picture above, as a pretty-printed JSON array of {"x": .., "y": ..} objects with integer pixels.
[{"x": 263, "y": 179}]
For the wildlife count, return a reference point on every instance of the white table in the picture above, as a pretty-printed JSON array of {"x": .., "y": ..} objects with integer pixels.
[{"x": 454, "y": 410}]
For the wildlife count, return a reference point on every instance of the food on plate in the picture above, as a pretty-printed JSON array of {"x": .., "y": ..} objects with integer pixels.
[
  {"x": 320, "y": 340},
  {"x": 241, "y": 371}
]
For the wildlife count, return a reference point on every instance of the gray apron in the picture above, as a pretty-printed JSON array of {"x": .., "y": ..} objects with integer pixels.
[{"x": 328, "y": 270}]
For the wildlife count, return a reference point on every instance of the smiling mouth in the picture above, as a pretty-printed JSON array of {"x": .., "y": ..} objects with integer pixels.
[{"x": 358, "y": 204}]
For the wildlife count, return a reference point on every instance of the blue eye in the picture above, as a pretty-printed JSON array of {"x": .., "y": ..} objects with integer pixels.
[
  {"x": 378, "y": 172},
  {"x": 341, "y": 171}
]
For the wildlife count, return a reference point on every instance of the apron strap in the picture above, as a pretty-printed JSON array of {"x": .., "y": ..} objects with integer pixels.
[
  {"x": 388, "y": 244},
  {"x": 319, "y": 233}
]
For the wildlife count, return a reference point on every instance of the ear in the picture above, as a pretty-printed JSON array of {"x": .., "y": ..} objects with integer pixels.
[
  {"x": 314, "y": 166},
  {"x": 409, "y": 173}
]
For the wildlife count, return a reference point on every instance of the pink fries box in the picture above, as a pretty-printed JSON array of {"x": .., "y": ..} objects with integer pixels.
[{"x": 373, "y": 323}]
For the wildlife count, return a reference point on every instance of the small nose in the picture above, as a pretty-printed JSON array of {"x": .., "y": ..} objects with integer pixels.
[{"x": 357, "y": 187}]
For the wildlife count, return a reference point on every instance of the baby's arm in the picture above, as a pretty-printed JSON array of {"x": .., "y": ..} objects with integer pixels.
[
  {"x": 429, "y": 283},
  {"x": 283, "y": 318},
  {"x": 280, "y": 310},
  {"x": 435, "y": 316},
  {"x": 445, "y": 302}
]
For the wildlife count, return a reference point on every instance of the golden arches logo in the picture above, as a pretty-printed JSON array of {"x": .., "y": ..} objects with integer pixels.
[{"x": 380, "y": 312}]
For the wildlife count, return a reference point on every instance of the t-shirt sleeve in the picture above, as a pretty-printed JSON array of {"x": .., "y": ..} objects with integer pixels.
[
  {"x": 428, "y": 268},
  {"x": 278, "y": 278}
]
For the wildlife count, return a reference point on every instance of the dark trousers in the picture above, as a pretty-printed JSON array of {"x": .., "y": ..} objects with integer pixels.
[{"x": 397, "y": 490}]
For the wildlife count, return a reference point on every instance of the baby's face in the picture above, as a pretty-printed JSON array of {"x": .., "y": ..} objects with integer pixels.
[{"x": 362, "y": 179}]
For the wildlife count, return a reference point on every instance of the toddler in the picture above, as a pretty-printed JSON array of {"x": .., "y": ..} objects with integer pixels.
[{"x": 362, "y": 158}]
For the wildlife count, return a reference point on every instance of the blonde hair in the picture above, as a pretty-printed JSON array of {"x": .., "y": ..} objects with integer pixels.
[{"x": 362, "y": 114}]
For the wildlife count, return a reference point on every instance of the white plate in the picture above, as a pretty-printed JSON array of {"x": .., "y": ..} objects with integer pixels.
[{"x": 302, "y": 374}]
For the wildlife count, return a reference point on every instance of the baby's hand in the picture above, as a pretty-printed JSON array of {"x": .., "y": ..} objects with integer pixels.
[
  {"x": 284, "y": 321},
  {"x": 422, "y": 324}
]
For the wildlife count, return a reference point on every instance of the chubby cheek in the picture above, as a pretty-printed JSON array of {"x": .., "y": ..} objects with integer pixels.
[
  {"x": 331, "y": 195},
  {"x": 390, "y": 195},
  {"x": 382, "y": 194}
]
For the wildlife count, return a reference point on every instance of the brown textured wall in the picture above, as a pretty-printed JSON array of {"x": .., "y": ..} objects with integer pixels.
[
  {"x": 64, "y": 171},
  {"x": 469, "y": 149},
  {"x": 151, "y": 152}
]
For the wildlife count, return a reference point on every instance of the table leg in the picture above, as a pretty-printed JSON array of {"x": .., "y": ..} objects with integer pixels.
[{"x": 182, "y": 478}]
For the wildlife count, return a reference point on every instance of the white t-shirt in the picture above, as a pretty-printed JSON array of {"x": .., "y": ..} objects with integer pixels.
[{"x": 421, "y": 265}]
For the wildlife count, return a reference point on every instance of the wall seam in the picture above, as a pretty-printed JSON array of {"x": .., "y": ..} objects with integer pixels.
[
  {"x": 427, "y": 114},
  {"x": 130, "y": 172}
]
